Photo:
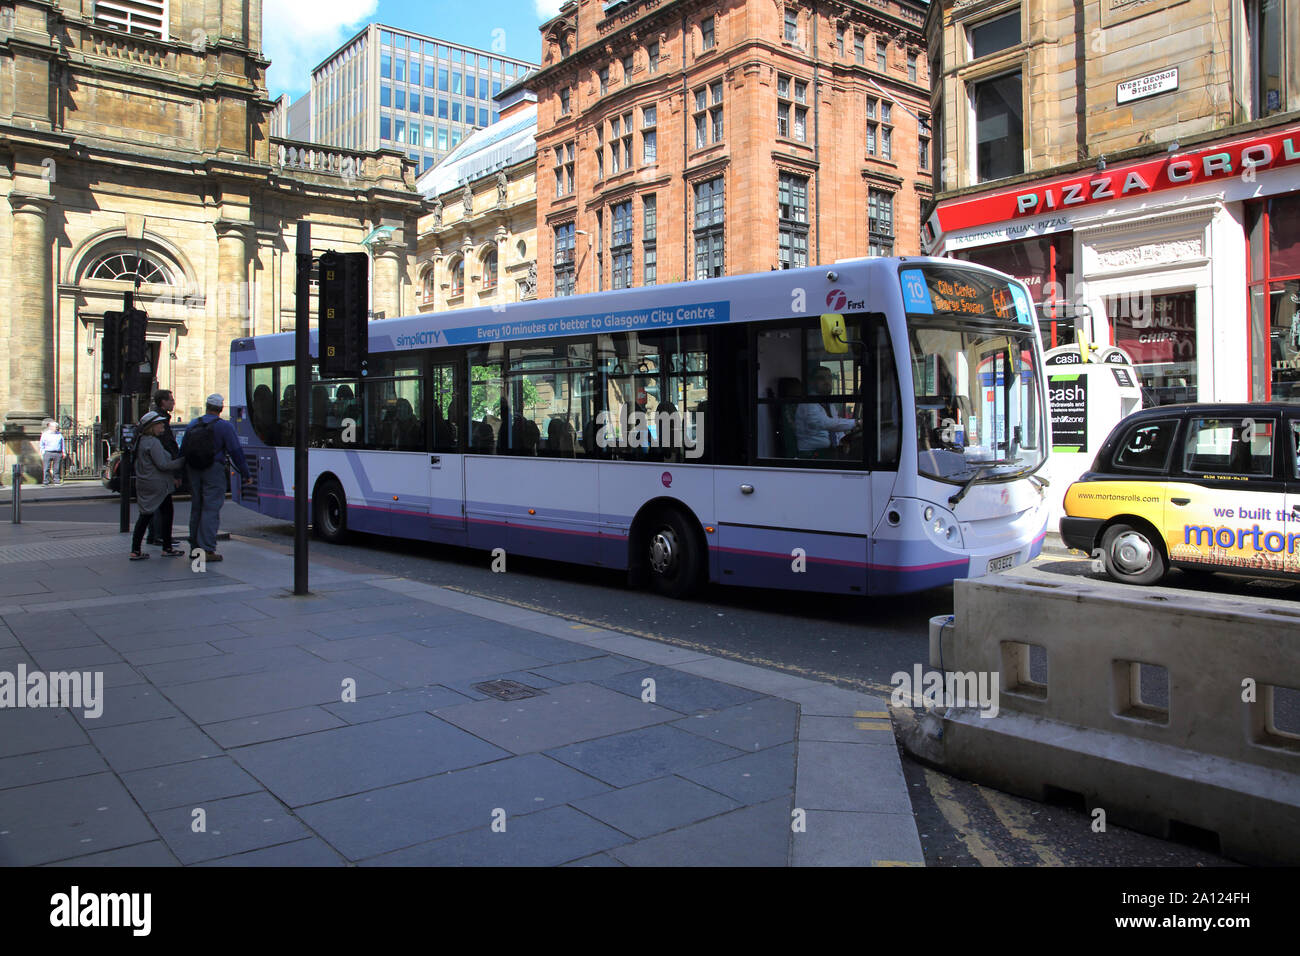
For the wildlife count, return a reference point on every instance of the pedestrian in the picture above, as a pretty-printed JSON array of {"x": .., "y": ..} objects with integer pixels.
[
  {"x": 154, "y": 479},
  {"x": 160, "y": 532},
  {"x": 52, "y": 453},
  {"x": 208, "y": 441}
]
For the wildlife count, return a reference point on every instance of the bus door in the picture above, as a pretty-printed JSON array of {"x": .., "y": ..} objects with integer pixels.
[{"x": 801, "y": 516}]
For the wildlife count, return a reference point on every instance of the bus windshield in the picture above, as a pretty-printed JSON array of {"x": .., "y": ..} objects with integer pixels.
[{"x": 977, "y": 402}]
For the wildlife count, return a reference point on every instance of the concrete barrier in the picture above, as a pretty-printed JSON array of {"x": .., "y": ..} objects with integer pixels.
[{"x": 1156, "y": 707}]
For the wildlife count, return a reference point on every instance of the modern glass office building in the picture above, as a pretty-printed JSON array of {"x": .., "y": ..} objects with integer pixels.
[{"x": 389, "y": 88}]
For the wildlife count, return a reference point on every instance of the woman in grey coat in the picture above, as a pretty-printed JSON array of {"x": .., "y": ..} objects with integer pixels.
[{"x": 153, "y": 481}]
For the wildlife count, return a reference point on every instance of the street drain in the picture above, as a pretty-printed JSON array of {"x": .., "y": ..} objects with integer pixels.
[{"x": 506, "y": 689}]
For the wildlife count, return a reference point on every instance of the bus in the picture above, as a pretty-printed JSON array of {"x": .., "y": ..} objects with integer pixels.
[{"x": 871, "y": 427}]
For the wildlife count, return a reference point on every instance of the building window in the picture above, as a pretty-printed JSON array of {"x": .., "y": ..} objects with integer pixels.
[
  {"x": 399, "y": 99},
  {"x": 600, "y": 151},
  {"x": 649, "y": 146},
  {"x": 991, "y": 36},
  {"x": 652, "y": 57},
  {"x": 604, "y": 80},
  {"x": 620, "y": 143},
  {"x": 130, "y": 267},
  {"x": 385, "y": 66},
  {"x": 708, "y": 118},
  {"x": 839, "y": 40},
  {"x": 627, "y": 69},
  {"x": 1264, "y": 37},
  {"x": 458, "y": 277},
  {"x": 385, "y": 95},
  {"x": 792, "y": 209},
  {"x": 621, "y": 246},
  {"x": 490, "y": 269},
  {"x": 564, "y": 101},
  {"x": 886, "y": 130},
  {"x": 859, "y": 48},
  {"x": 709, "y": 229},
  {"x": 564, "y": 236},
  {"x": 999, "y": 149},
  {"x": 706, "y": 33},
  {"x": 923, "y": 141},
  {"x": 880, "y": 223},
  {"x": 791, "y": 25},
  {"x": 600, "y": 251},
  {"x": 791, "y": 117},
  {"x": 564, "y": 169},
  {"x": 649, "y": 231},
  {"x": 1273, "y": 232},
  {"x": 911, "y": 67},
  {"x": 882, "y": 54}
]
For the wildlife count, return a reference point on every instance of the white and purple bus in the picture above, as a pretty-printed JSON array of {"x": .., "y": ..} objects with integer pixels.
[{"x": 725, "y": 430}]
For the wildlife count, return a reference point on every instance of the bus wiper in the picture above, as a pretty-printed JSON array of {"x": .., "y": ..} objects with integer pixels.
[{"x": 979, "y": 473}]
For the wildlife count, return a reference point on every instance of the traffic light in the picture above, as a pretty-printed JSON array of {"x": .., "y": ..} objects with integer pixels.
[
  {"x": 344, "y": 305},
  {"x": 137, "y": 370},
  {"x": 111, "y": 353}
]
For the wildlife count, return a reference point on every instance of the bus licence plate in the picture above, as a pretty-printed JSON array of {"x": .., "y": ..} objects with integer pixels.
[{"x": 1002, "y": 563}]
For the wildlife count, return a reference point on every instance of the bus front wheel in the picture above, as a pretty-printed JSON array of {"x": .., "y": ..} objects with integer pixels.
[
  {"x": 330, "y": 506},
  {"x": 672, "y": 555}
]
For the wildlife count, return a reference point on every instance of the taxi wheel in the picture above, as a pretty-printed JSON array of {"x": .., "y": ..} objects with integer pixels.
[{"x": 1133, "y": 555}]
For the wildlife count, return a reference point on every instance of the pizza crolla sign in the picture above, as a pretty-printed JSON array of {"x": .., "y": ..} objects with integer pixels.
[{"x": 1168, "y": 171}]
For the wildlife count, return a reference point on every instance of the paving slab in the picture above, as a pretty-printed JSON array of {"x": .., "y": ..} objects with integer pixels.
[
  {"x": 50, "y": 765},
  {"x": 546, "y": 838},
  {"x": 60, "y": 819},
  {"x": 559, "y": 716},
  {"x": 273, "y": 726},
  {"x": 230, "y": 826},
  {"x": 753, "y": 778},
  {"x": 188, "y": 784},
  {"x": 228, "y": 698},
  {"x": 751, "y": 726},
  {"x": 395, "y": 703},
  {"x": 153, "y": 853},
  {"x": 414, "y": 813},
  {"x": 656, "y": 806},
  {"x": 362, "y": 757},
  {"x": 152, "y": 743},
  {"x": 679, "y": 691},
  {"x": 637, "y": 755},
  {"x": 751, "y": 836}
]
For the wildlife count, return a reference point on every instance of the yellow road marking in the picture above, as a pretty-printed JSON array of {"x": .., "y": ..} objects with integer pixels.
[
  {"x": 956, "y": 816},
  {"x": 867, "y": 725},
  {"x": 861, "y": 686},
  {"x": 1018, "y": 823},
  {"x": 871, "y": 713},
  {"x": 895, "y": 863}
]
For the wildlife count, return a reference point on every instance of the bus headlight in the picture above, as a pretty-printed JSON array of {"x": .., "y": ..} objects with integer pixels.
[{"x": 941, "y": 525}]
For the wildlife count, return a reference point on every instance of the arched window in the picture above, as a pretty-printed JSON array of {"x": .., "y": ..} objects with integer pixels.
[
  {"x": 426, "y": 284},
  {"x": 131, "y": 267},
  {"x": 458, "y": 277},
  {"x": 490, "y": 269},
  {"x": 521, "y": 247}
]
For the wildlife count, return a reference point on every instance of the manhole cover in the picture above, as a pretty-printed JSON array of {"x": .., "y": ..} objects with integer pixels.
[{"x": 506, "y": 689}]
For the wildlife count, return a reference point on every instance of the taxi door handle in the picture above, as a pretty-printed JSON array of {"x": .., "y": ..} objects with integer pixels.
[
  {"x": 1181, "y": 501},
  {"x": 746, "y": 489}
]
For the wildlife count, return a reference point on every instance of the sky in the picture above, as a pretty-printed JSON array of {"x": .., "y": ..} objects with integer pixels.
[{"x": 298, "y": 34}]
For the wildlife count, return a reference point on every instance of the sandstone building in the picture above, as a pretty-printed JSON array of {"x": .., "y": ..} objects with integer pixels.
[
  {"x": 135, "y": 155},
  {"x": 683, "y": 140},
  {"x": 1138, "y": 165}
]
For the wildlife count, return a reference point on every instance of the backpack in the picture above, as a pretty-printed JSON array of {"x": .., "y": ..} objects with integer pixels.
[{"x": 200, "y": 446}]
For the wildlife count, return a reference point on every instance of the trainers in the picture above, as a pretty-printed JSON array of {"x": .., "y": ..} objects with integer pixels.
[{"x": 213, "y": 556}]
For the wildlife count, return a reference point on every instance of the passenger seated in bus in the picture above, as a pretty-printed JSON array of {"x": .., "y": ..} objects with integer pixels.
[
  {"x": 668, "y": 428},
  {"x": 560, "y": 439},
  {"x": 317, "y": 428},
  {"x": 408, "y": 429},
  {"x": 818, "y": 425},
  {"x": 288, "y": 409},
  {"x": 483, "y": 440},
  {"x": 444, "y": 433},
  {"x": 264, "y": 422}
]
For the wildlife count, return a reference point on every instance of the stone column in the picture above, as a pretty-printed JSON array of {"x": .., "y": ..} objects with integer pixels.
[
  {"x": 31, "y": 342},
  {"x": 387, "y": 292},
  {"x": 232, "y": 298}
]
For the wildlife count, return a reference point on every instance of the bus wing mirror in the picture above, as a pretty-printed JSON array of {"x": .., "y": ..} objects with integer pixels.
[{"x": 834, "y": 338}]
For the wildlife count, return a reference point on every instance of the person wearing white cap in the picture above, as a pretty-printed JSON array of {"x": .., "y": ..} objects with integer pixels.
[
  {"x": 153, "y": 481},
  {"x": 208, "y": 441}
]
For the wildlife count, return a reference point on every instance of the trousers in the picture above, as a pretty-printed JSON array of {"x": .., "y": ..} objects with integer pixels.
[{"x": 207, "y": 495}]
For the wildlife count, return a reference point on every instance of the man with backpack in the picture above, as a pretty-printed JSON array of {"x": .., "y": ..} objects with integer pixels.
[{"x": 208, "y": 441}]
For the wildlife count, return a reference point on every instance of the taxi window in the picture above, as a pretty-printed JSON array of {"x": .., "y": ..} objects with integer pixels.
[
  {"x": 1232, "y": 447},
  {"x": 1145, "y": 446}
]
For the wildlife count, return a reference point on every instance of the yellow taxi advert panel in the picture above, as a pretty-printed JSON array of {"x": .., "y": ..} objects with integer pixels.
[
  {"x": 1231, "y": 529},
  {"x": 1105, "y": 499}
]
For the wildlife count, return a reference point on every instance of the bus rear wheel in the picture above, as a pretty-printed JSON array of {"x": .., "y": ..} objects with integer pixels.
[
  {"x": 330, "y": 512},
  {"x": 672, "y": 555}
]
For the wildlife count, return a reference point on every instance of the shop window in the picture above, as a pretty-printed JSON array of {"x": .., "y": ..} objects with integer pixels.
[
  {"x": 1159, "y": 334},
  {"x": 1273, "y": 230}
]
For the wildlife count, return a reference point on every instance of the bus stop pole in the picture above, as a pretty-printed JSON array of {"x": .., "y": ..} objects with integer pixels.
[
  {"x": 302, "y": 383},
  {"x": 123, "y": 468}
]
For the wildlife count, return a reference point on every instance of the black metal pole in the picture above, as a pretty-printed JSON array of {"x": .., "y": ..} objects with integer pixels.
[
  {"x": 302, "y": 386},
  {"x": 123, "y": 467}
]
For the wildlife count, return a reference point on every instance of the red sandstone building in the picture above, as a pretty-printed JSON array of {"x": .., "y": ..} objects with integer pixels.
[{"x": 685, "y": 139}]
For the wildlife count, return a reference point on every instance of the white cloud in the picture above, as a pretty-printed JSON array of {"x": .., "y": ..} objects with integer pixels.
[
  {"x": 298, "y": 34},
  {"x": 546, "y": 9}
]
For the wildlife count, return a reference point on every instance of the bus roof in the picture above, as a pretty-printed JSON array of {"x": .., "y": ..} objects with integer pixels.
[{"x": 749, "y": 297}]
